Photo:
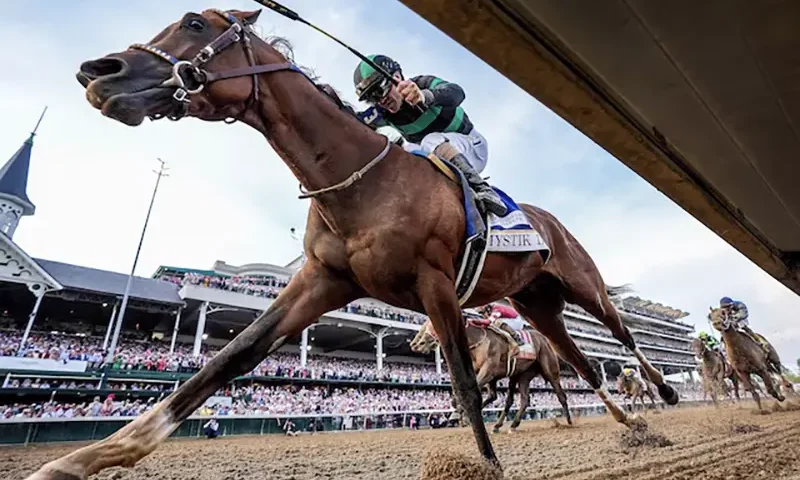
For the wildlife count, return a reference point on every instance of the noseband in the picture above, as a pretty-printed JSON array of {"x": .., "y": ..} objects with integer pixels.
[{"x": 189, "y": 78}]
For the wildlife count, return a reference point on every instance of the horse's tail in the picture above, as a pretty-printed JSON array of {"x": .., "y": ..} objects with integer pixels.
[{"x": 618, "y": 290}]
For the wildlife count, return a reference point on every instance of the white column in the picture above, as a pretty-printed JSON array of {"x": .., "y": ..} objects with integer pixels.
[
  {"x": 201, "y": 327},
  {"x": 379, "y": 349},
  {"x": 39, "y": 296},
  {"x": 603, "y": 372},
  {"x": 304, "y": 348},
  {"x": 110, "y": 325},
  {"x": 175, "y": 331},
  {"x": 438, "y": 353}
]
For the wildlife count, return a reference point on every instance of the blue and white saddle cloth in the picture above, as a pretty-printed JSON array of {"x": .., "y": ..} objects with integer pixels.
[{"x": 511, "y": 233}]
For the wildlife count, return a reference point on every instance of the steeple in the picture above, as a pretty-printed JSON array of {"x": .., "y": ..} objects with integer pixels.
[{"x": 14, "y": 201}]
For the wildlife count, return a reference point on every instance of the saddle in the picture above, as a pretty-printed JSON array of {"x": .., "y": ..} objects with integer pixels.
[{"x": 516, "y": 350}]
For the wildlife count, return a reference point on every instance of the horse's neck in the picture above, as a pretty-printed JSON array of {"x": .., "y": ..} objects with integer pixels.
[{"x": 322, "y": 144}]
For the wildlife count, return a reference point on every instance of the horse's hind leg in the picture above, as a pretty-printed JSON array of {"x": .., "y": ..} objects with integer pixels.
[
  {"x": 589, "y": 291},
  {"x": 512, "y": 386},
  {"x": 524, "y": 401},
  {"x": 555, "y": 382},
  {"x": 541, "y": 304},
  {"x": 492, "y": 393},
  {"x": 747, "y": 384},
  {"x": 312, "y": 292}
]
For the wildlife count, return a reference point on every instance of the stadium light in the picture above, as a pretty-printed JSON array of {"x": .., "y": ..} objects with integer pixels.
[{"x": 161, "y": 172}]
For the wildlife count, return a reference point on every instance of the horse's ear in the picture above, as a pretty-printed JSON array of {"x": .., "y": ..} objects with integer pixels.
[{"x": 247, "y": 17}]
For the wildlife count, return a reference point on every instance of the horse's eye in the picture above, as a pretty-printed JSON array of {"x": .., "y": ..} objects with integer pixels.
[{"x": 196, "y": 25}]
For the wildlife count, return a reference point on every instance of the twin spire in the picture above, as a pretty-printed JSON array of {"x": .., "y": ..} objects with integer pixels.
[{"x": 14, "y": 201}]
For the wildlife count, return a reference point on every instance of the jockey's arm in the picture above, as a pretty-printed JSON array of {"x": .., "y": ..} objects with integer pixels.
[
  {"x": 439, "y": 92},
  {"x": 740, "y": 311}
]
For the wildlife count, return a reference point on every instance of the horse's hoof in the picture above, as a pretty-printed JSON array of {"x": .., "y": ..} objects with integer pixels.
[
  {"x": 636, "y": 422},
  {"x": 495, "y": 430},
  {"x": 512, "y": 430},
  {"x": 668, "y": 394}
]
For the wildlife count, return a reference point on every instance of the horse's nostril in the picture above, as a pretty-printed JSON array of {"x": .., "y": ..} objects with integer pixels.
[{"x": 102, "y": 67}]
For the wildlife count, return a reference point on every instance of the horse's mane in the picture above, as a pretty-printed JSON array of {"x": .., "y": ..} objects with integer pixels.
[{"x": 285, "y": 48}]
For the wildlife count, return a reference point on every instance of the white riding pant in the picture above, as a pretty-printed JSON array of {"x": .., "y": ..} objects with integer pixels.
[
  {"x": 472, "y": 145},
  {"x": 516, "y": 324}
]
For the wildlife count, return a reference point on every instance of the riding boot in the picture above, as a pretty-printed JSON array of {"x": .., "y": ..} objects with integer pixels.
[
  {"x": 514, "y": 347},
  {"x": 485, "y": 194}
]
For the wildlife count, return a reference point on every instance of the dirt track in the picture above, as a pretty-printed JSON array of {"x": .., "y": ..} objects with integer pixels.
[{"x": 707, "y": 444}]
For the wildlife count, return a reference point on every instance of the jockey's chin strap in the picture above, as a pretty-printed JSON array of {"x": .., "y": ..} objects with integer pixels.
[{"x": 189, "y": 78}]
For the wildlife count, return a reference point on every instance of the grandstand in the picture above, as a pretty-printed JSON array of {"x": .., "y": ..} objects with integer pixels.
[{"x": 57, "y": 324}]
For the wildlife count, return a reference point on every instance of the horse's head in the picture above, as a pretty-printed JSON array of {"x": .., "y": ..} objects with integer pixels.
[
  {"x": 199, "y": 66},
  {"x": 719, "y": 318},
  {"x": 425, "y": 339}
]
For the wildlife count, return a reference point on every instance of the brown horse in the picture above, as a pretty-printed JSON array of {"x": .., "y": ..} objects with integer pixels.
[
  {"x": 715, "y": 369},
  {"x": 748, "y": 357},
  {"x": 489, "y": 351},
  {"x": 382, "y": 223},
  {"x": 635, "y": 389}
]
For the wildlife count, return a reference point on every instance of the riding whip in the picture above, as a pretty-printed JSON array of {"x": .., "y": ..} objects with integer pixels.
[{"x": 292, "y": 15}]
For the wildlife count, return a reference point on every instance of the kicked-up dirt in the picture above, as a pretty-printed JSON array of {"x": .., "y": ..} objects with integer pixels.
[{"x": 701, "y": 443}]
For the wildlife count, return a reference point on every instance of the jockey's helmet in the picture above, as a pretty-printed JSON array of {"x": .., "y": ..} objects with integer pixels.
[
  {"x": 371, "y": 85},
  {"x": 725, "y": 302},
  {"x": 702, "y": 335},
  {"x": 627, "y": 372}
]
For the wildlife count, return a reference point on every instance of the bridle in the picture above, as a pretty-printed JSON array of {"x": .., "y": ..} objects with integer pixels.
[{"x": 189, "y": 78}]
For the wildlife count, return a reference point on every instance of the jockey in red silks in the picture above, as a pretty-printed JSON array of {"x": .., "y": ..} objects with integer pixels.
[{"x": 508, "y": 320}]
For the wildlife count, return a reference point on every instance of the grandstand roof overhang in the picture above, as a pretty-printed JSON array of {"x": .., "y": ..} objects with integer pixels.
[
  {"x": 16, "y": 266},
  {"x": 699, "y": 99},
  {"x": 112, "y": 284}
]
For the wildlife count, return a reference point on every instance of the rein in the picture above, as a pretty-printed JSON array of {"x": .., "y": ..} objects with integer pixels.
[{"x": 189, "y": 78}]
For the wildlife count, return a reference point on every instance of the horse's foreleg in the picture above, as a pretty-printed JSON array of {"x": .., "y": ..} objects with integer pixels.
[
  {"x": 311, "y": 293},
  {"x": 747, "y": 384},
  {"x": 766, "y": 376},
  {"x": 438, "y": 297}
]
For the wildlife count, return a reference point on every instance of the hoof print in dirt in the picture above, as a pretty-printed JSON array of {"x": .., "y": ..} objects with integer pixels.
[
  {"x": 456, "y": 466},
  {"x": 738, "y": 428},
  {"x": 638, "y": 437}
]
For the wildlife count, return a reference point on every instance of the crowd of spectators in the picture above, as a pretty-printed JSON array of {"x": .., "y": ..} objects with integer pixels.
[
  {"x": 270, "y": 287},
  {"x": 285, "y": 400},
  {"x": 154, "y": 356}
]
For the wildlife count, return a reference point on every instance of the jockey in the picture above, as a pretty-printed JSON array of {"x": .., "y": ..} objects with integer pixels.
[
  {"x": 507, "y": 319},
  {"x": 444, "y": 128},
  {"x": 709, "y": 340},
  {"x": 628, "y": 372},
  {"x": 737, "y": 311}
]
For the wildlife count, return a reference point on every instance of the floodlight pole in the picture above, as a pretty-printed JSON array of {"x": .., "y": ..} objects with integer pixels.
[{"x": 161, "y": 172}]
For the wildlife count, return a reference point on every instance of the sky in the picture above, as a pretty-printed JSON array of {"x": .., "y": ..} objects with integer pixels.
[{"x": 229, "y": 197}]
